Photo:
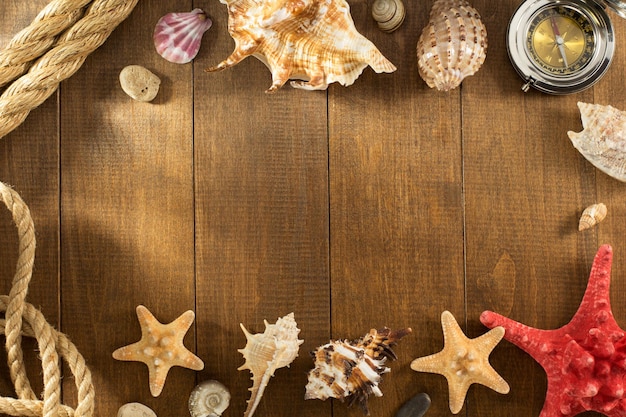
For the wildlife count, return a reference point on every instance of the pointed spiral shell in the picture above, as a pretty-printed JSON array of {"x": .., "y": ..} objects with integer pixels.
[
  {"x": 452, "y": 46},
  {"x": 388, "y": 14},
  {"x": 591, "y": 216}
]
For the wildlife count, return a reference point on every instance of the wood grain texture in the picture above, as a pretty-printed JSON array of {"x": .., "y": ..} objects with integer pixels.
[{"x": 380, "y": 204}]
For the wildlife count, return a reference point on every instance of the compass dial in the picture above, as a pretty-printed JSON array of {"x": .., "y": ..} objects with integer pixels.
[{"x": 560, "y": 40}]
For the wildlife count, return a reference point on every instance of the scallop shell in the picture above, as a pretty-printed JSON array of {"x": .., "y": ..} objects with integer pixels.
[
  {"x": 591, "y": 216},
  {"x": 603, "y": 138},
  {"x": 452, "y": 46},
  {"x": 209, "y": 399},
  {"x": 388, "y": 14},
  {"x": 310, "y": 40},
  {"x": 352, "y": 369},
  {"x": 177, "y": 36},
  {"x": 265, "y": 352}
]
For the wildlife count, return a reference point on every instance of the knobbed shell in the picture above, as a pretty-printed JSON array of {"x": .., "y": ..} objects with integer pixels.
[
  {"x": 310, "y": 40},
  {"x": 452, "y": 46},
  {"x": 265, "y": 352},
  {"x": 177, "y": 36},
  {"x": 591, "y": 216},
  {"x": 388, "y": 14},
  {"x": 603, "y": 138},
  {"x": 352, "y": 369},
  {"x": 209, "y": 399}
]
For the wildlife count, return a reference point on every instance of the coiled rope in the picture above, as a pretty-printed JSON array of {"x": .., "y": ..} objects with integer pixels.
[
  {"x": 22, "y": 318},
  {"x": 69, "y": 33}
]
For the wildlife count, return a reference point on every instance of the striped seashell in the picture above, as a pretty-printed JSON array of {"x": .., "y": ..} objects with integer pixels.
[
  {"x": 314, "y": 41},
  {"x": 591, "y": 216},
  {"x": 603, "y": 138},
  {"x": 388, "y": 14},
  {"x": 452, "y": 46},
  {"x": 177, "y": 36},
  {"x": 352, "y": 369}
]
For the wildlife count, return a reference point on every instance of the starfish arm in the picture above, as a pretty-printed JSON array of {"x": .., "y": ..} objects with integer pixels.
[
  {"x": 129, "y": 352},
  {"x": 458, "y": 390},
  {"x": 452, "y": 332},
  {"x": 185, "y": 320},
  {"x": 157, "y": 376},
  {"x": 435, "y": 363},
  {"x": 492, "y": 379},
  {"x": 489, "y": 340}
]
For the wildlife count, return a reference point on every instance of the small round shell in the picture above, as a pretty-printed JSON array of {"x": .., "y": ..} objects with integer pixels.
[
  {"x": 209, "y": 399},
  {"x": 389, "y": 14},
  {"x": 591, "y": 216},
  {"x": 135, "y": 410}
]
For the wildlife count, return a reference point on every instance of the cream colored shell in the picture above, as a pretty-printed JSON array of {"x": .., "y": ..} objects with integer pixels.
[
  {"x": 388, "y": 14},
  {"x": 452, "y": 46},
  {"x": 591, "y": 216},
  {"x": 310, "y": 40},
  {"x": 265, "y": 352},
  {"x": 603, "y": 138},
  {"x": 209, "y": 399}
]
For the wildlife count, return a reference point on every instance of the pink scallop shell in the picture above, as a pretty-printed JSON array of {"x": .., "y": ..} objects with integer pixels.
[{"x": 177, "y": 36}]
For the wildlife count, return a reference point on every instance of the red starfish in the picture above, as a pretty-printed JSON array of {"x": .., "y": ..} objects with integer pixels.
[{"x": 585, "y": 360}]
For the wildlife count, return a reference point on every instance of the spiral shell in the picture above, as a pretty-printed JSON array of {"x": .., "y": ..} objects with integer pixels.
[
  {"x": 591, "y": 216},
  {"x": 314, "y": 41},
  {"x": 603, "y": 139},
  {"x": 209, "y": 399},
  {"x": 388, "y": 14},
  {"x": 265, "y": 352},
  {"x": 352, "y": 369},
  {"x": 452, "y": 46},
  {"x": 177, "y": 36}
]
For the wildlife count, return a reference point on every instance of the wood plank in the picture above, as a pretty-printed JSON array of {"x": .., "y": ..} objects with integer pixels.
[
  {"x": 261, "y": 169},
  {"x": 396, "y": 210},
  {"x": 29, "y": 161},
  {"x": 525, "y": 186},
  {"x": 127, "y": 212}
]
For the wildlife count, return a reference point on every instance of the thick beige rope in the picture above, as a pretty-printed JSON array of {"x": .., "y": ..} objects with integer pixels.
[
  {"x": 24, "y": 319},
  {"x": 62, "y": 61},
  {"x": 34, "y": 40}
]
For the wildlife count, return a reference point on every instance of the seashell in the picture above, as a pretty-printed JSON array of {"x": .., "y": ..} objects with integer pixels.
[
  {"x": 591, "y": 216},
  {"x": 352, "y": 369},
  {"x": 209, "y": 399},
  {"x": 388, "y": 14},
  {"x": 139, "y": 83},
  {"x": 177, "y": 36},
  {"x": 135, "y": 410},
  {"x": 452, "y": 46},
  {"x": 265, "y": 352},
  {"x": 310, "y": 40},
  {"x": 603, "y": 138}
]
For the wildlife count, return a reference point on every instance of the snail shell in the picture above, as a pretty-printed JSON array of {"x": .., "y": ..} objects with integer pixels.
[
  {"x": 209, "y": 399},
  {"x": 452, "y": 46},
  {"x": 389, "y": 14},
  {"x": 591, "y": 216},
  {"x": 135, "y": 410}
]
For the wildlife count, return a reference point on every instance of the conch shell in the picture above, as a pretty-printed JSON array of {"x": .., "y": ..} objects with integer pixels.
[
  {"x": 265, "y": 352},
  {"x": 310, "y": 40},
  {"x": 453, "y": 45},
  {"x": 591, "y": 216},
  {"x": 352, "y": 369},
  {"x": 603, "y": 138}
]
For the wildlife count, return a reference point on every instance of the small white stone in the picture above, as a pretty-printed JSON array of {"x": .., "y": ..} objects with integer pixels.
[
  {"x": 139, "y": 83},
  {"x": 135, "y": 410}
]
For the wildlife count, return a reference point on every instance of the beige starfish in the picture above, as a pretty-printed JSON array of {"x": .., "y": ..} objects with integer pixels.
[
  {"x": 161, "y": 347},
  {"x": 463, "y": 361}
]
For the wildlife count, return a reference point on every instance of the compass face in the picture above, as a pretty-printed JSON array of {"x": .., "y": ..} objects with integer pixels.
[{"x": 560, "y": 40}]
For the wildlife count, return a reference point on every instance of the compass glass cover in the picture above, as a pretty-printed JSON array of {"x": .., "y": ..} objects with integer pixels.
[{"x": 560, "y": 40}]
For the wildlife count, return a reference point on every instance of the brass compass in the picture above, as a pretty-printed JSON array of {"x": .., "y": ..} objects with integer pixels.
[{"x": 561, "y": 46}]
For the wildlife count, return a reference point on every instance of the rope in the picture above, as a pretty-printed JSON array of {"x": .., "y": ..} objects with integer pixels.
[
  {"x": 22, "y": 318},
  {"x": 66, "y": 56}
]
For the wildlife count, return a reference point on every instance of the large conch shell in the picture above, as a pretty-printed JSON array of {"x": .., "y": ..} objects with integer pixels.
[
  {"x": 310, "y": 40},
  {"x": 352, "y": 369},
  {"x": 603, "y": 138},
  {"x": 452, "y": 46},
  {"x": 265, "y": 352}
]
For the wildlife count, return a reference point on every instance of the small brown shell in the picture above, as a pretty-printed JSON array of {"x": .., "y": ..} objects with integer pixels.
[
  {"x": 591, "y": 216},
  {"x": 388, "y": 14},
  {"x": 452, "y": 46}
]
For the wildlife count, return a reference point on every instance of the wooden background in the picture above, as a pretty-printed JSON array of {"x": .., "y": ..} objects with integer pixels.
[{"x": 380, "y": 204}]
